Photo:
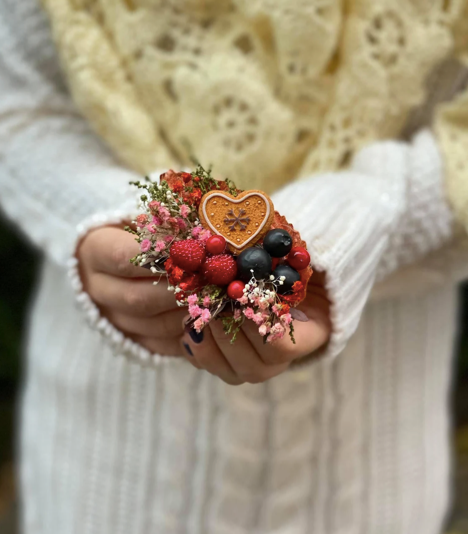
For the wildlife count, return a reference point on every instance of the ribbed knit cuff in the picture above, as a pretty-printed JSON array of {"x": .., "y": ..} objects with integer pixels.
[
  {"x": 346, "y": 220},
  {"x": 121, "y": 345},
  {"x": 388, "y": 210}
]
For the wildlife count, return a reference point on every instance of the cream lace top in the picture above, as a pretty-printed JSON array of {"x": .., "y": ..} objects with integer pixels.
[{"x": 265, "y": 90}]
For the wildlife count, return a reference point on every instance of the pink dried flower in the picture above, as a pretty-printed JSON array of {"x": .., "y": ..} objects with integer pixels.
[
  {"x": 157, "y": 221},
  {"x": 184, "y": 211},
  {"x": 258, "y": 319},
  {"x": 195, "y": 311},
  {"x": 164, "y": 213},
  {"x": 264, "y": 329},
  {"x": 277, "y": 329},
  {"x": 160, "y": 246},
  {"x": 286, "y": 319},
  {"x": 197, "y": 231},
  {"x": 249, "y": 313},
  {"x": 205, "y": 235},
  {"x": 168, "y": 238},
  {"x": 145, "y": 245},
  {"x": 192, "y": 299},
  {"x": 182, "y": 224},
  {"x": 207, "y": 301},
  {"x": 151, "y": 228},
  {"x": 141, "y": 220},
  {"x": 237, "y": 313},
  {"x": 198, "y": 325},
  {"x": 276, "y": 332},
  {"x": 206, "y": 315},
  {"x": 243, "y": 300},
  {"x": 154, "y": 205}
]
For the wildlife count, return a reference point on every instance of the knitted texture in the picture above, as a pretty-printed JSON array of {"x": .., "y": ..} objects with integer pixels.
[
  {"x": 263, "y": 89},
  {"x": 390, "y": 211},
  {"x": 345, "y": 446},
  {"x": 356, "y": 445}
]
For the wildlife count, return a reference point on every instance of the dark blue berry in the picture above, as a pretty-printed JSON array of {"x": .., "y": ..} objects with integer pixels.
[
  {"x": 291, "y": 276},
  {"x": 253, "y": 259},
  {"x": 278, "y": 243}
]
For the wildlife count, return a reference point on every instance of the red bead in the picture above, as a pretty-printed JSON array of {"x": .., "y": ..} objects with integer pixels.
[
  {"x": 235, "y": 290},
  {"x": 298, "y": 258},
  {"x": 216, "y": 244}
]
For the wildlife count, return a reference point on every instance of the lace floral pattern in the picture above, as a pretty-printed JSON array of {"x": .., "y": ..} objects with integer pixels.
[{"x": 263, "y": 89}]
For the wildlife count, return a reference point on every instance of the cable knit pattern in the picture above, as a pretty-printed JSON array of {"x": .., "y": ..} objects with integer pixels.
[
  {"x": 351, "y": 445},
  {"x": 356, "y": 445}
]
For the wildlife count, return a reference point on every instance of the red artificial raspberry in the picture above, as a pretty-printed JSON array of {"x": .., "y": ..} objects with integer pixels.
[
  {"x": 188, "y": 254},
  {"x": 220, "y": 270}
]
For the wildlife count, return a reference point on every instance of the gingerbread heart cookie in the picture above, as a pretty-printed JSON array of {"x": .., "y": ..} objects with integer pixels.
[{"x": 241, "y": 220}]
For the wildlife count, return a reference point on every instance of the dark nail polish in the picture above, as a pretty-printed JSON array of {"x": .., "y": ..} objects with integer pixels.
[
  {"x": 197, "y": 337},
  {"x": 188, "y": 349}
]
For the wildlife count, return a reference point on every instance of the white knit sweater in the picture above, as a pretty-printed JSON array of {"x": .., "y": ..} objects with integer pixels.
[{"x": 356, "y": 444}]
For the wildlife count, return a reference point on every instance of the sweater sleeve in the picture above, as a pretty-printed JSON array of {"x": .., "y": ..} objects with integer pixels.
[
  {"x": 55, "y": 176},
  {"x": 57, "y": 180},
  {"x": 388, "y": 210}
]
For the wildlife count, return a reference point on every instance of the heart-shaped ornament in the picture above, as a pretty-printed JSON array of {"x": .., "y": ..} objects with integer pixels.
[{"x": 241, "y": 220}]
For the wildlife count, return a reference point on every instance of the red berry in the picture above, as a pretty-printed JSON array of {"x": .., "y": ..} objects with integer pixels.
[
  {"x": 298, "y": 258},
  {"x": 188, "y": 254},
  {"x": 235, "y": 290},
  {"x": 220, "y": 270},
  {"x": 216, "y": 244}
]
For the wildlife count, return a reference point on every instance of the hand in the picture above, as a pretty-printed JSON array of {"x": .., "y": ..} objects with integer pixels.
[
  {"x": 126, "y": 295},
  {"x": 248, "y": 359}
]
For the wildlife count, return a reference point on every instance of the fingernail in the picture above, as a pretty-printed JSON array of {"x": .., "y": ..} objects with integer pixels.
[
  {"x": 188, "y": 349},
  {"x": 197, "y": 337}
]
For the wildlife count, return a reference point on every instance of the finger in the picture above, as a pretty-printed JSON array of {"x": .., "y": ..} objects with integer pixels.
[
  {"x": 188, "y": 355},
  {"x": 131, "y": 297},
  {"x": 206, "y": 355},
  {"x": 243, "y": 357},
  {"x": 309, "y": 336},
  {"x": 163, "y": 347},
  {"x": 109, "y": 250},
  {"x": 164, "y": 326}
]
